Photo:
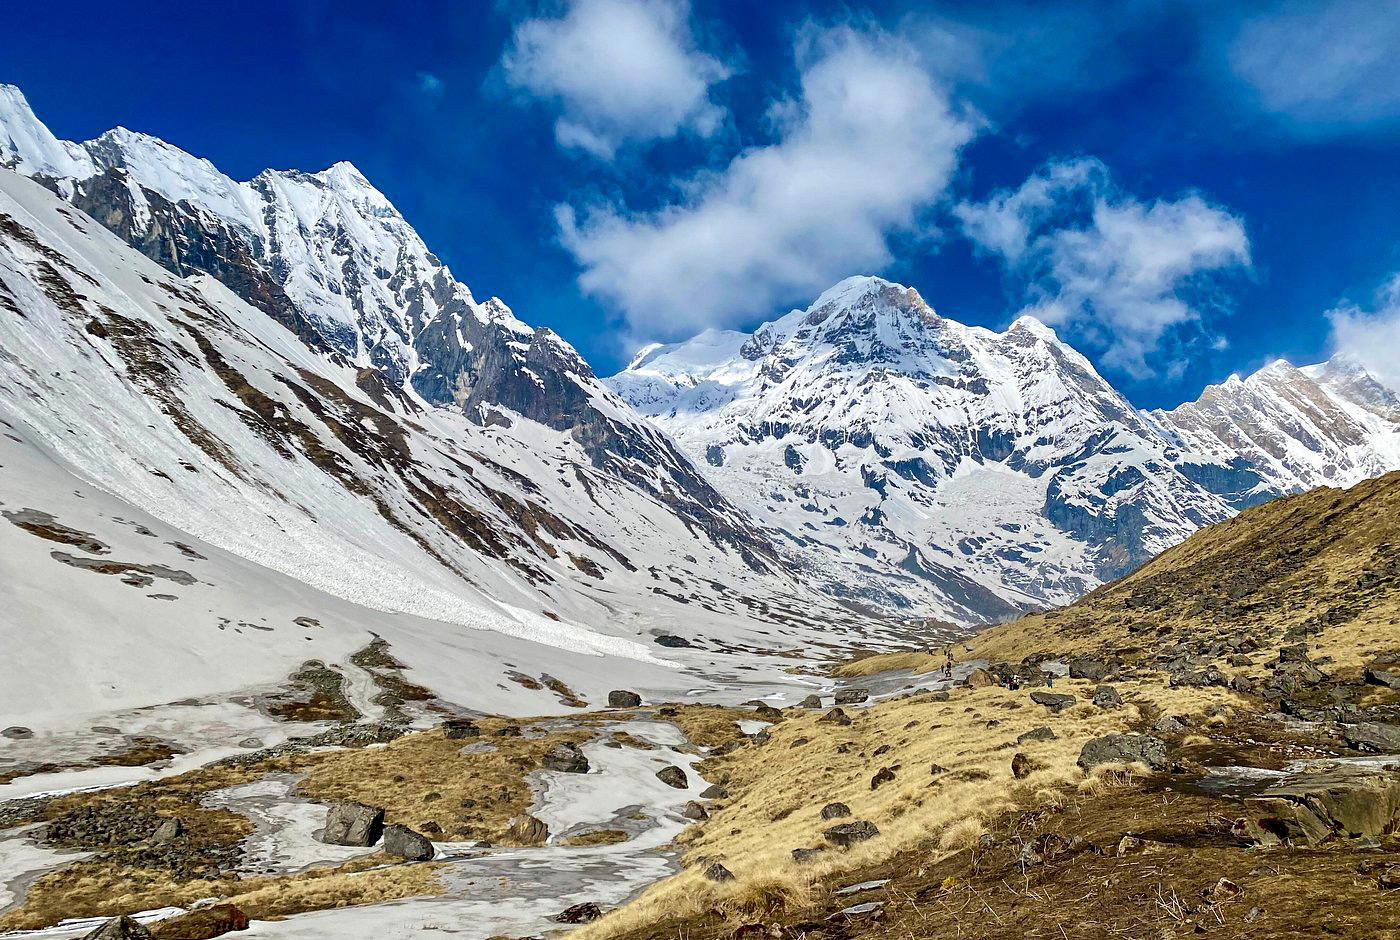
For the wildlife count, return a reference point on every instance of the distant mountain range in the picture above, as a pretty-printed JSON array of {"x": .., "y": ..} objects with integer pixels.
[
  {"x": 950, "y": 469},
  {"x": 290, "y": 376}
]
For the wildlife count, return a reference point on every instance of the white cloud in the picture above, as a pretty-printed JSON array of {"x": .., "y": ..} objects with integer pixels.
[
  {"x": 1129, "y": 277},
  {"x": 867, "y": 144},
  {"x": 1371, "y": 337},
  {"x": 430, "y": 86},
  {"x": 620, "y": 71},
  {"x": 1321, "y": 66}
]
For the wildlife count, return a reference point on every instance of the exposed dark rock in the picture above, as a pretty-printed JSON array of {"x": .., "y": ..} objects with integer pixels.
[
  {"x": 802, "y": 856},
  {"x": 1309, "y": 808},
  {"x": 837, "y": 716},
  {"x": 979, "y": 678},
  {"x": 584, "y": 913},
  {"x": 835, "y": 811},
  {"x": 405, "y": 843},
  {"x": 1091, "y": 669},
  {"x": 168, "y": 831},
  {"x": 17, "y": 732},
  {"x": 527, "y": 830},
  {"x": 565, "y": 758},
  {"x": 1055, "y": 701},
  {"x": 119, "y": 928},
  {"x": 672, "y": 642},
  {"x": 621, "y": 698},
  {"x": 882, "y": 776},
  {"x": 1373, "y": 736},
  {"x": 717, "y": 872},
  {"x": 812, "y": 701},
  {"x": 714, "y": 792},
  {"x": 201, "y": 923},
  {"x": 1043, "y": 733},
  {"x": 1106, "y": 696},
  {"x": 846, "y": 835},
  {"x": 352, "y": 824},
  {"x": 1124, "y": 749},
  {"x": 694, "y": 810},
  {"x": 852, "y": 696},
  {"x": 1022, "y": 766},
  {"x": 673, "y": 776}
]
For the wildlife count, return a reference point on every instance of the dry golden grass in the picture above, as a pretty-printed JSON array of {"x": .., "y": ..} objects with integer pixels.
[
  {"x": 778, "y": 790},
  {"x": 706, "y": 725},
  {"x": 915, "y": 661},
  {"x": 97, "y": 888}
]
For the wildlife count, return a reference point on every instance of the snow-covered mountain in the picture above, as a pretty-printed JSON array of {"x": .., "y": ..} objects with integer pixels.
[
  {"x": 247, "y": 424},
  {"x": 935, "y": 466}
]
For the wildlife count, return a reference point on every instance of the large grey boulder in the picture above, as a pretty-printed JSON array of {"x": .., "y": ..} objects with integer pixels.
[
  {"x": 527, "y": 830},
  {"x": 1308, "y": 808},
  {"x": 1373, "y": 736},
  {"x": 852, "y": 696},
  {"x": 848, "y": 834},
  {"x": 1055, "y": 701},
  {"x": 565, "y": 759},
  {"x": 1106, "y": 696},
  {"x": 1124, "y": 749},
  {"x": 353, "y": 824},
  {"x": 673, "y": 776},
  {"x": 621, "y": 698},
  {"x": 407, "y": 844}
]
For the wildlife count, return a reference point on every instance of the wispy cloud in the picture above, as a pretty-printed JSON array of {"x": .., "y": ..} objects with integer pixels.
[
  {"x": 1130, "y": 278},
  {"x": 1320, "y": 67},
  {"x": 867, "y": 142},
  {"x": 430, "y": 86},
  {"x": 619, "y": 72},
  {"x": 1371, "y": 337}
]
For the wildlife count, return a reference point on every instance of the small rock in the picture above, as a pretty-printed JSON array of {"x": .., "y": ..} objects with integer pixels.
[
  {"x": 673, "y": 776},
  {"x": 835, "y": 811},
  {"x": 1106, "y": 697},
  {"x": 766, "y": 712},
  {"x": 1129, "y": 845},
  {"x": 672, "y": 642},
  {"x": 1169, "y": 725},
  {"x": 407, "y": 844},
  {"x": 812, "y": 701},
  {"x": 507, "y": 731},
  {"x": 802, "y": 856},
  {"x": 168, "y": 831},
  {"x": 119, "y": 928},
  {"x": 1254, "y": 914},
  {"x": 18, "y": 733},
  {"x": 882, "y": 776},
  {"x": 565, "y": 759},
  {"x": 1222, "y": 890},
  {"x": 1022, "y": 766},
  {"x": 1043, "y": 733},
  {"x": 621, "y": 698},
  {"x": 352, "y": 824},
  {"x": 250, "y": 744},
  {"x": 717, "y": 872},
  {"x": 527, "y": 830},
  {"x": 714, "y": 792},
  {"x": 852, "y": 696},
  {"x": 1124, "y": 749},
  {"x": 457, "y": 728},
  {"x": 848, "y": 834},
  {"x": 587, "y": 911},
  {"x": 694, "y": 810},
  {"x": 836, "y": 716}
]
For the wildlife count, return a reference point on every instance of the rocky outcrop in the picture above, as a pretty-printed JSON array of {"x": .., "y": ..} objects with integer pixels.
[
  {"x": 1124, "y": 749},
  {"x": 353, "y": 824},
  {"x": 1312, "y": 807},
  {"x": 406, "y": 844}
]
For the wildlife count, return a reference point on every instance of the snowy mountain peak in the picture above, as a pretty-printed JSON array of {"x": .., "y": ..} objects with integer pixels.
[{"x": 27, "y": 146}]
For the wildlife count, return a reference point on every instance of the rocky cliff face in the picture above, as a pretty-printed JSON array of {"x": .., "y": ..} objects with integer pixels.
[{"x": 928, "y": 463}]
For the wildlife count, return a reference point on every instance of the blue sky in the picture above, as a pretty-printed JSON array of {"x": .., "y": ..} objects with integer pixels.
[{"x": 1183, "y": 189}]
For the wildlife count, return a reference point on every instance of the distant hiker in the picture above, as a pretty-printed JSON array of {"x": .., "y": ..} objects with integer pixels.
[
  {"x": 1014, "y": 683},
  {"x": 1049, "y": 680}
]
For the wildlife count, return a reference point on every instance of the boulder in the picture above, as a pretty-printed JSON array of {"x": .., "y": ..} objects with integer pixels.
[
  {"x": 717, "y": 872},
  {"x": 672, "y": 642},
  {"x": 527, "y": 830},
  {"x": 803, "y": 856},
  {"x": 1022, "y": 766},
  {"x": 584, "y": 913},
  {"x": 1383, "y": 674},
  {"x": 694, "y": 810},
  {"x": 1106, "y": 696},
  {"x": 835, "y": 811},
  {"x": 766, "y": 712},
  {"x": 168, "y": 831},
  {"x": 837, "y": 716},
  {"x": 882, "y": 776},
  {"x": 119, "y": 928},
  {"x": 1055, "y": 701},
  {"x": 812, "y": 701},
  {"x": 979, "y": 678},
  {"x": 852, "y": 696},
  {"x": 846, "y": 835},
  {"x": 201, "y": 923},
  {"x": 407, "y": 844},
  {"x": 565, "y": 759},
  {"x": 1343, "y": 801},
  {"x": 621, "y": 698},
  {"x": 1091, "y": 669},
  {"x": 714, "y": 792},
  {"x": 1043, "y": 733},
  {"x": 1124, "y": 749},
  {"x": 1169, "y": 725},
  {"x": 1373, "y": 736},
  {"x": 458, "y": 728},
  {"x": 18, "y": 733},
  {"x": 352, "y": 824},
  {"x": 673, "y": 776}
]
